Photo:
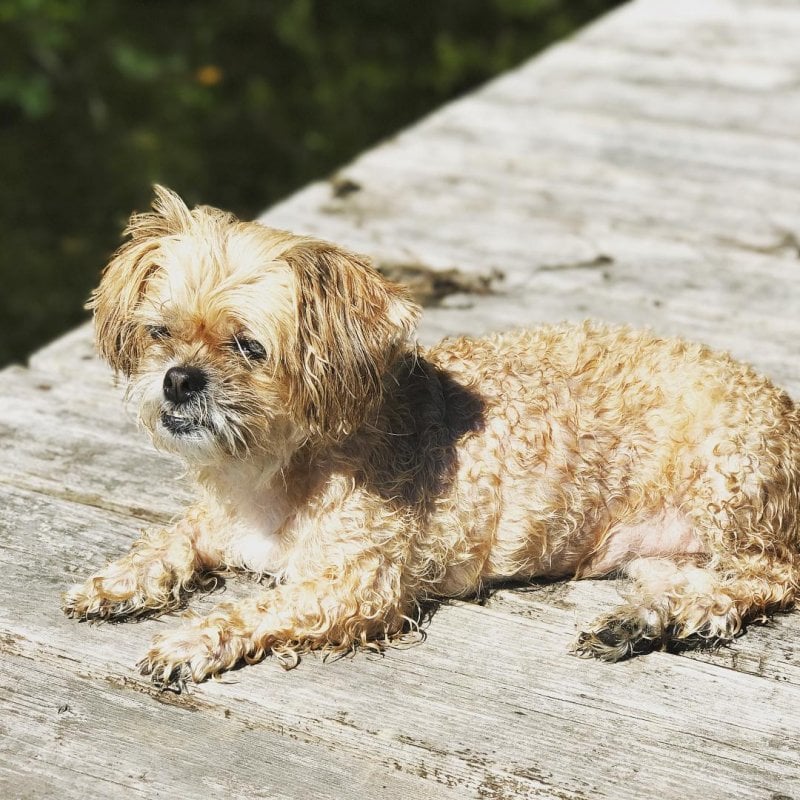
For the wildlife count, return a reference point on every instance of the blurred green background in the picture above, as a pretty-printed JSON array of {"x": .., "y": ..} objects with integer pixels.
[{"x": 231, "y": 103}]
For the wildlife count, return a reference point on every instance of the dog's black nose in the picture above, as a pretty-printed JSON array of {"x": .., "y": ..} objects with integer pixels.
[{"x": 182, "y": 383}]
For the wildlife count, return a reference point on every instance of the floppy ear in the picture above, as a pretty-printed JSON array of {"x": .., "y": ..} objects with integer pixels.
[
  {"x": 125, "y": 279},
  {"x": 351, "y": 327}
]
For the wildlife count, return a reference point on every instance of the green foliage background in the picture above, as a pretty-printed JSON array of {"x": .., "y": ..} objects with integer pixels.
[{"x": 233, "y": 104}]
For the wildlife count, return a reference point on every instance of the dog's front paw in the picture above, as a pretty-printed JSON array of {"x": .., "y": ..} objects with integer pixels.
[
  {"x": 102, "y": 599},
  {"x": 194, "y": 652},
  {"x": 139, "y": 584}
]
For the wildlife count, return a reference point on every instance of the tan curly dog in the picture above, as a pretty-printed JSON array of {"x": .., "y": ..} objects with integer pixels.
[{"x": 365, "y": 476}]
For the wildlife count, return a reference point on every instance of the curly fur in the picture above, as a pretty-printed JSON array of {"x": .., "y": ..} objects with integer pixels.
[{"x": 367, "y": 475}]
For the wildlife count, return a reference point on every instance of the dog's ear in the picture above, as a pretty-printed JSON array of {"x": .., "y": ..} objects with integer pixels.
[
  {"x": 125, "y": 279},
  {"x": 351, "y": 326}
]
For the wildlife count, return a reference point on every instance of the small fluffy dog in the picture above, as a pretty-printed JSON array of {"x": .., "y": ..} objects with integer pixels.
[{"x": 365, "y": 475}]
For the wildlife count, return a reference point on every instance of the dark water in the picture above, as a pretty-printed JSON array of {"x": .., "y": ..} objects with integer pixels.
[{"x": 233, "y": 104}]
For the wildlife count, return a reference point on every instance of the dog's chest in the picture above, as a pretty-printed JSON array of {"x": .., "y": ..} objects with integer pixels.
[
  {"x": 252, "y": 526},
  {"x": 254, "y": 543}
]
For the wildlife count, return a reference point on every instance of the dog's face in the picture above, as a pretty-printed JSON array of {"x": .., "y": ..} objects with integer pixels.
[{"x": 240, "y": 340}]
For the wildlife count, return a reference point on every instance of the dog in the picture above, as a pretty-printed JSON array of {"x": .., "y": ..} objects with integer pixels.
[{"x": 365, "y": 476}]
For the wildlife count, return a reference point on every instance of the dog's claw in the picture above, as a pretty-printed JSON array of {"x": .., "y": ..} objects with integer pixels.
[
  {"x": 167, "y": 677},
  {"x": 602, "y": 645},
  {"x": 84, "y": 606},
  {"x": 619, "y": 638},
  {"x": 181, "y": 656}
]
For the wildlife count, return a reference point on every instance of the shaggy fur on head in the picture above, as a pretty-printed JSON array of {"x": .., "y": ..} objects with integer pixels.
[{"x": 365, "y": 475}]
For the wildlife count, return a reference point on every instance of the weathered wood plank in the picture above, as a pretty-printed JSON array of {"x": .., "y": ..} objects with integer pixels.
[
  {"x": 109, "y": 716},
  {"x": 106, "y": 737},
  {"x": 76, "y": 442},
  {"x": 71, "y": 359}
]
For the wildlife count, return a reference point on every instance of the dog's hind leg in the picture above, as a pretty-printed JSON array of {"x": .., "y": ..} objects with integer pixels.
[
  {"x": 677, "y": 606},
  {"x": 741, "y": 505}
]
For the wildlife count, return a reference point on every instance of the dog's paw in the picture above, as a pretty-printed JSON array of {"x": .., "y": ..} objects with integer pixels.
[
  {"x": 623, "y": 634},
  {"x": 99, "y": 599},
  {"x": 637, "y": 630},
  {"x": 191, "y": 653},
  {"x": 131, "y": 587}
]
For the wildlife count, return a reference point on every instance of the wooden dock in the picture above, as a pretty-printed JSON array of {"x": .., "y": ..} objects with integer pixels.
[{"x": 647, "y": 171}]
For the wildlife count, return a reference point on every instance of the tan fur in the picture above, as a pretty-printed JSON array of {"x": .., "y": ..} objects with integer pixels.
[{"x": 367, "y": 476}]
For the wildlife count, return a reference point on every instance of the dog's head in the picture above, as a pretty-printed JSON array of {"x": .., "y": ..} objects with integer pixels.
[{"x": 241, "y": 339}]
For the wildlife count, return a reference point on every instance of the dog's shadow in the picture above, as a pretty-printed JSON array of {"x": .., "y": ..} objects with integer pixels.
[{"x": 415, "y": 456}]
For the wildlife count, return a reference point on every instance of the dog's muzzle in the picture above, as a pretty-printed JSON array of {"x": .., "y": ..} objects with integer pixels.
[{"x": 183, "y": 387}]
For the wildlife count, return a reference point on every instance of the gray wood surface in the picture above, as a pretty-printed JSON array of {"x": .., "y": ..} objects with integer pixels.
[{"x": 646, "y": 171}]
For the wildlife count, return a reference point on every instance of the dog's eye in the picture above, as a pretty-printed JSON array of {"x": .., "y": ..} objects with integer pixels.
[
  {"x": 158, "y": 331},
  {"x": 249, "y": 348}
]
